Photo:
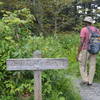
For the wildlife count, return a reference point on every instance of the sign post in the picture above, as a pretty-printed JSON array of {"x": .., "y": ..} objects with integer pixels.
[
  {"x": 37, "y": 79},
  {"x": 37, "y": 64}
]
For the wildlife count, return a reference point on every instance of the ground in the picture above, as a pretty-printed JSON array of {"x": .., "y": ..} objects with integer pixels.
[{"x": 89, "y": 92}]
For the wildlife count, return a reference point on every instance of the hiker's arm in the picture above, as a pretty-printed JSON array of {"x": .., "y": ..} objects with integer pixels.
[
  {"x": 99, "y": 31},
  {"x": 82, "y": 38},
  {"x": 80, "y": 46}
]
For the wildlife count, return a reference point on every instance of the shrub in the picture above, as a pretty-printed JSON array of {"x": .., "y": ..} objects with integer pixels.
[{"x": 55, "y": 83}]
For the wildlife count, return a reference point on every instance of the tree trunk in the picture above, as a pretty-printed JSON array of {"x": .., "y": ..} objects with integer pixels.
[
  {"x": 55, "y": 24},
  {"x": 38, "y": 13}
]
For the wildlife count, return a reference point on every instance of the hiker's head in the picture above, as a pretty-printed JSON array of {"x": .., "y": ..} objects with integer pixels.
[{"x": 88, "y": 20}]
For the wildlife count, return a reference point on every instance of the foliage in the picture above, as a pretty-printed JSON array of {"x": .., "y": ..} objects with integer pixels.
[
  {"x": 51, "y": 16},
  {"x": 56, "y": 85},
  {"x": 17, "y": 42},
  {"x": 54, "y": 16},
  {"x": 16, "y": 24}
]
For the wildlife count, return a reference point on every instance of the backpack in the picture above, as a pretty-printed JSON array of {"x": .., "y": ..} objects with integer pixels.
[{"x": 94, "y": 42}]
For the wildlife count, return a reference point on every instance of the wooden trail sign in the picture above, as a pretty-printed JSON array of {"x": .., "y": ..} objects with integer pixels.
[{"x": 37, "y": 64}]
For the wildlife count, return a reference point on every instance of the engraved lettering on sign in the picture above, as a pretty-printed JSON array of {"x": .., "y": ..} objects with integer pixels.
[{"x": 36, "y": 64}]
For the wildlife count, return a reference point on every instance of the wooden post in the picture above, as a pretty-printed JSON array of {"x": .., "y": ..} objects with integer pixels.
[
  {"x": 37, "y": 85},
  {"x": 37, "y": 79}
]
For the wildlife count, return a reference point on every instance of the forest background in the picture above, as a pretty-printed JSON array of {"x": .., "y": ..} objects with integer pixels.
[{"x": 51, "y": 26}]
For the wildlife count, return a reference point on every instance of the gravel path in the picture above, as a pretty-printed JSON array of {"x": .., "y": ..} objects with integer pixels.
[{"x": 89, "y": 92}]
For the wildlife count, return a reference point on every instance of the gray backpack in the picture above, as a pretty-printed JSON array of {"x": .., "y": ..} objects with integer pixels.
[{"x": 94, "y": 42}]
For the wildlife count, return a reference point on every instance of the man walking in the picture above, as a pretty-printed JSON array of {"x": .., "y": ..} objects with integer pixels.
[{"x": 84, "y": 57}]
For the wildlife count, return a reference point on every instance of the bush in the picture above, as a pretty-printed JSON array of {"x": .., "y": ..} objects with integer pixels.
[
  {"x": 16, "y": 42},
  {"x": 16, "y": 24},
  {"x": 55, "y": 84}
]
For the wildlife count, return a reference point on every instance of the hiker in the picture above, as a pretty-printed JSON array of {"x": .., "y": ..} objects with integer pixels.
[{"x": 84, "y": 57}]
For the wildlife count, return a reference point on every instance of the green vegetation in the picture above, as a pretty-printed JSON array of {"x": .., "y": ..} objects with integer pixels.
[
  {"x": 56, "y": 84},
  {"x": 48, "y": 26},
  {"x": 17, "y": 41}
]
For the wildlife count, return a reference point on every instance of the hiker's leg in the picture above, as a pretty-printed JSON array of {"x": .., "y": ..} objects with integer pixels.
[
  {"x": 92, "y": 68},
  {"x": 83, "y": 65}
]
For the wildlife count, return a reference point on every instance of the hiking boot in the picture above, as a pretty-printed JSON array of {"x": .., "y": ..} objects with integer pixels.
[
  {"x": 83, "y": 83},
  {"x": 89, "y": 84}
]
